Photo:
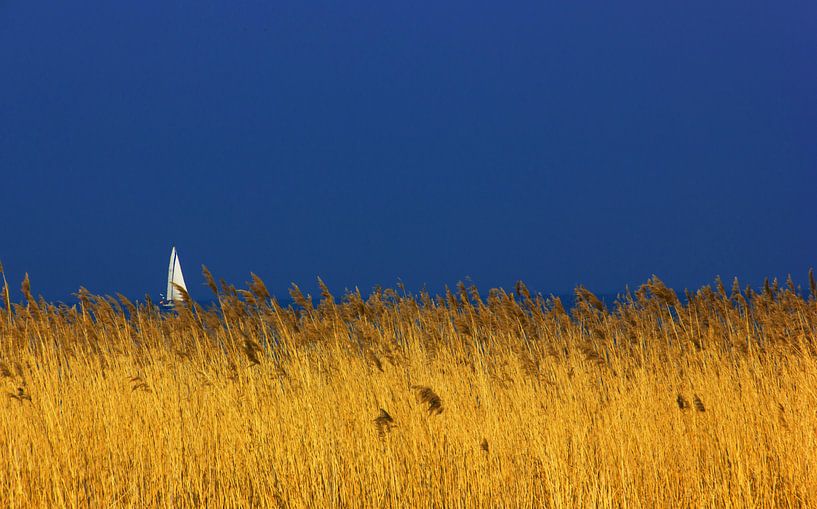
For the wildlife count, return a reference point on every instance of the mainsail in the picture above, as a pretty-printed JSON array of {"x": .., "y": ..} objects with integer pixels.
[{"x": 174, "y": 275}]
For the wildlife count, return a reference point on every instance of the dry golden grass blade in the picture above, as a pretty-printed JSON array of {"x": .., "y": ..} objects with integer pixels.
[
  {"x": 186, "y": 300},
  {"x": 20, "y": 395},
  {"x": 251, "y": 350},
  {"x": 326, "y": 295},
  {"x": 211, "y": 282},
  {"x": 583, "y": 295},
  {"x": 430, "y": 398},
  {"x": 374, "y": 360},
  {"x": 142, "y": 408},
  {"x": 259, "y": 288},
  {"x": 299, "y": 299},
  {"x": 699, "y": 405},
  {"x": 383, "y": 422}
]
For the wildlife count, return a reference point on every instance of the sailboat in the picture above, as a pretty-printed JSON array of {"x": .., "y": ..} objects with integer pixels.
[{"x": 174, "y": 277}]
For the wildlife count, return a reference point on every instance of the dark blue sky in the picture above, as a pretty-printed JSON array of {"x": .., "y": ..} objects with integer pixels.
[{"x": 588, "y": 142}]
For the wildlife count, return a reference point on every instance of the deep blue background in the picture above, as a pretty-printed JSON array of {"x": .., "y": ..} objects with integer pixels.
[{"x": 588, "y": 142}]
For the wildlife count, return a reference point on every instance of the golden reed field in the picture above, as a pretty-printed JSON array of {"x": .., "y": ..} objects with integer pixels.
[{"x": 399, "y": 400}]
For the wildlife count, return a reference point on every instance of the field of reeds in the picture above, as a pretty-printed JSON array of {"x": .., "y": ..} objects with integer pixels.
[{"x": 503, "y": 399}]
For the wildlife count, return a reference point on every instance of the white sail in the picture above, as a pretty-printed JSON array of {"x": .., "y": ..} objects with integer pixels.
[{"x": 174, "y": 275}]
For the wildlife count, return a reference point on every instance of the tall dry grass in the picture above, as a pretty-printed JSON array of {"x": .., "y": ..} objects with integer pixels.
[{"x": 399, "y": 400}]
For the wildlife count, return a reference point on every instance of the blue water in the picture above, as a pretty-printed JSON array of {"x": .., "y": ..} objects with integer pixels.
[{"x": 568, "y": 300}]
